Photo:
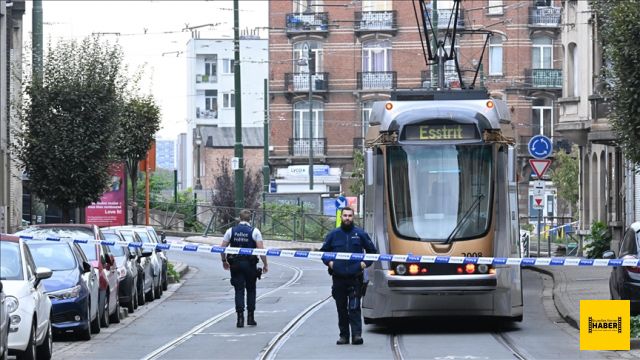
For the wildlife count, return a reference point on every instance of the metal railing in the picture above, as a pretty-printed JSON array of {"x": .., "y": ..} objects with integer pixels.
[
  {"x": 300, "y": 146},
  {"x": 547, "y": 16},
  {"x": 545, "y": 78},
  {"x": 375, "y": 20},
  {"x": 299, "y": 82},
  {"x": 206, "y": 114},
  {"x": 201, "y": 78},
  {"x": 307, "y": 22},
  {"x": 444, "y": 16},
  {"x": 377, "y": 80}
]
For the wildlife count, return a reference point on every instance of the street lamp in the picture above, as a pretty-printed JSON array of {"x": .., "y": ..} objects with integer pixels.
[{"x": 198, "y": 185}]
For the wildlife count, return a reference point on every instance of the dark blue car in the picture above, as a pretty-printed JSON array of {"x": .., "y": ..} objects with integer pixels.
[{"x": 73, "y": 287}]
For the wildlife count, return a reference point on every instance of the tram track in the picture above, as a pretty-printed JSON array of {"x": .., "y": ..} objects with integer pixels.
[
  {"x": 505, "y": 341},
  {"x": 396, "y": 349},
  {"x": 271, "y": 350},
  {"x": 156, "y": 354}
]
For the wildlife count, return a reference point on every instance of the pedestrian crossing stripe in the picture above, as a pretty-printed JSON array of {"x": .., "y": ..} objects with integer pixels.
[{"x": 408, "y": 258}]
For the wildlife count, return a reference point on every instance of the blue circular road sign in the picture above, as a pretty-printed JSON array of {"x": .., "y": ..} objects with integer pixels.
[
  {"x": 540, "y": 147},
  {"x": 341, "y": 202}
]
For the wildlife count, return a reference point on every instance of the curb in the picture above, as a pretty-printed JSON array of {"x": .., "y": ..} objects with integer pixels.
[
  {"x": 560, "y": 306},
  {"x": 180, "y": 268}
]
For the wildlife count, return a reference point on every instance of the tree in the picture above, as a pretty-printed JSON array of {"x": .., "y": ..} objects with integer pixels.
[
  {"x": 565, "y": 177},
  {"x": 223, "y": 191},
  {"x": 357, "y": 187},
  {"x": 69, "y": 118},
  {"x": 619, "y": 29},
  {"x": 137, "y": 126}
]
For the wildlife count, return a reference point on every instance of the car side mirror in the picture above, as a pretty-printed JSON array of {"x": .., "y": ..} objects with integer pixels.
[
  {"x": 42, "y": 273},
  {"x": 86, "y": 267},
  {"x": 147, "y": 253},
  {"x": 1, "y": 286},
  {"x": 132, "y": 255},
  {"x": 163, "y": 237},
  {"x": 609, "y": 255}
]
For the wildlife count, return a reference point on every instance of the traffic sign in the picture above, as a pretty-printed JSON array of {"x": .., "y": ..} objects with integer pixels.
[
  {"x": 341, "y": 202},
  {"x": 540, "y": 147},
  {"x": 539, "y": 166},
  {"x": 538, "y": 202}
]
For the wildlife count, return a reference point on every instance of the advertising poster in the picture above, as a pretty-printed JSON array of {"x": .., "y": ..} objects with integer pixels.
[{"x": 110, "y": 210}]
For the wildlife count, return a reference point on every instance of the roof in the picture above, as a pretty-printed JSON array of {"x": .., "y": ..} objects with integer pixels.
[
  {"x": 87, "y": 226},
  {"x": 8, "y": 237},
  {"x": 223, "y": 137}
]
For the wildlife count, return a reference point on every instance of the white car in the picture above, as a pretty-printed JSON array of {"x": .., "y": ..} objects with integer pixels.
[
  {"x": 4, "y": 326},
  {"x": 29, "y": 307}
]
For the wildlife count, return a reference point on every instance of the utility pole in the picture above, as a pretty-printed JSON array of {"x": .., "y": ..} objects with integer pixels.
[
  {"x": 265, "y": 165},
  {"x": 435, "y": 74},
  {"x": 238, "y": 150},
  {"x": 310, "y": 61},
  {"x": 36, "y": 38}
]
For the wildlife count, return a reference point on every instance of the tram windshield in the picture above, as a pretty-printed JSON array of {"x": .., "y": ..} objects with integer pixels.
[{"x": 440, "y": 192}]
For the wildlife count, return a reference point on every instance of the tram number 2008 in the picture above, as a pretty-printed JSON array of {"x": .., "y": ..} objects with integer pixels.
[{"x": 472, "y": 254}]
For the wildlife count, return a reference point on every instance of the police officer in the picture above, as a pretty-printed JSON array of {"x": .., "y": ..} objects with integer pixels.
[
  {"x": 244, "y": 271},
  {"x": 347, "y": 275}
]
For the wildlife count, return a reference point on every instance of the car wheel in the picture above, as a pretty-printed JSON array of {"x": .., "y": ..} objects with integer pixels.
[
  {"x": 115, "y": 317},
  {"x": 45, "y": 350},
  {"x": 104, "y": 317},
  {"x": 95, "y": 324},
  {"x": 5, "y": 353},
  {"x": 131, "y": 305},
  {"x": 30, "y": 352},
  {"x": 152, "y": 293},
  {"x": 165, "y": 283},
  {"x": 141, "y": 294}
]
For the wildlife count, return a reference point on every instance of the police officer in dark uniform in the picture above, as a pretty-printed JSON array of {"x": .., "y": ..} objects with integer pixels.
[
  {"x": 244, "y": 271},
  {"x": 348, "y": 275}
]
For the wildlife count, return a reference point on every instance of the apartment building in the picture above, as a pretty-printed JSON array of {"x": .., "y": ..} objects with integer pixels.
[
  {"x": 211, "y": 96},
  {"x": 609, "y": 185},
  {"x": 361, "y": 51}
]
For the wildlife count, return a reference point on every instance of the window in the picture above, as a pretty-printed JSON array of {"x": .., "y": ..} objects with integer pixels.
[
  {"x": 211, "y": 67},
  {"x": 301, "y": 124},
  {"x": 376, "y": 56},
  {"x": 366, "y": 114},
  {"x": 542, "y": 53},
  {"x": 376, "y": 5},
  {"x": 542, "y": 117},
  {"x": 228, "y": 66},
  {"x": 307, "y": 6},
  {"x": 495, "y": 55},
  {"x": 572, "y": 70},
  {"x": 211, "y": 100},
  {"x": 495, "y": 7},
  {"x": 228, "y": 100},
  {"x": 300, "y": 52},
  {"x": 542, "y": 3}
]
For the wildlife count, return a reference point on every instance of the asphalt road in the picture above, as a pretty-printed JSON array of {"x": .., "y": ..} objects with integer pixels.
[{"x": 297, "y": 320}]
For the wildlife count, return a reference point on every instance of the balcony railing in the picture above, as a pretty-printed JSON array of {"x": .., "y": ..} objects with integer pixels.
[
  {"x": 299, "y": 82},
  {"x": 377, "y": 80},
  {"x": 547, "y": 16},
  {"x": 375, "y": 21},
  {"x": 200, "y": 78},
  {"x": 444, "y": 15},
  {"x": 297, "y": 23},
  {"x": 546, "y": 78},
  {"x": 206, "y": 114},
  {"x": 300, "y": 146}
]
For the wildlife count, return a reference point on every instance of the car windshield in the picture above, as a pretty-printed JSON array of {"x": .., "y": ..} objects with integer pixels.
[
  {"x": 127, "y": 235},
  {"x": 116, "y": 250},
  {"x": 442, "y": 191},
  {"x": 10, "y": 261},
  {"x": 63, "y": 232},
  {"x": 55, "y": 256},
  {"x": 90, "y": 251}
]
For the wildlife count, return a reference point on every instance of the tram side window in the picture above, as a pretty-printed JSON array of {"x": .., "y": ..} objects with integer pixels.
[{"x": 629, "y": 245}]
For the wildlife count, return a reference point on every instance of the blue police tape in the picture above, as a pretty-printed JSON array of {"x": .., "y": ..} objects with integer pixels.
[{"x": 320, "y": 255}]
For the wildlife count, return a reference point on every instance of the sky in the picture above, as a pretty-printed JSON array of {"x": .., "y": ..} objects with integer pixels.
[{"x": 152, "y": 34}]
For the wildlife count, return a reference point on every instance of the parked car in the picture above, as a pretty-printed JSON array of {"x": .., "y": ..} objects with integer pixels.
[
  {"x": 4, "y": 325},
  {"x": 145, "y": 270},
  {"x": 161, "y": 239},
  {"x": 155, "y": 259},
  {"x": 99, "y": 257},
  {"x": 126, "y": 260},
  {"x": 73, "y": 288},
  {"x": 29, "y": 307},
  {"x": 624, "y": 282}
]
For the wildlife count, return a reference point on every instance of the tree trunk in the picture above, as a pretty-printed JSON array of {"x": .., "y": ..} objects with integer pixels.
[{"x": 132, "y": 167}]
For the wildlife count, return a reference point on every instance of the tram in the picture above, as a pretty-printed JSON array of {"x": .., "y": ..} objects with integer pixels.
[{"x": 440, "y": 181}]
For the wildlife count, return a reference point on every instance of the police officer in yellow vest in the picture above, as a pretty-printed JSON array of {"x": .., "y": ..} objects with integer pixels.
[{"x": 244, "y": 271}]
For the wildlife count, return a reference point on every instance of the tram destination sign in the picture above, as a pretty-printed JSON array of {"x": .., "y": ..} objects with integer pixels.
[{"x": 428, "y": 132}]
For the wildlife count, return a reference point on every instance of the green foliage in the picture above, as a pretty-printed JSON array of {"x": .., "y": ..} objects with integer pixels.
[
  {"x": 565, "y": 176},
  {"x": 527, "y": 227},
  {"x": 357, "y": 188},
  {"x": 599, "y": 240},
  {"x": 223, "y": 197},
  {"x": 172, "y": 273},
  {"x": 619, "y": 29},
  {"x": 635, "y": 326},
  {"x": 296, "y": 222},
  {"x": 69, "y": 118}
]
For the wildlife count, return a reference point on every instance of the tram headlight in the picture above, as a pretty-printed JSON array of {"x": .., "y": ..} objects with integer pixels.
[
  {"x": 414, "y": 269},
  {"x": 470, "y": 268},
  {"x": 401, "y": 269},
  {"x": 482, "y": 268}
]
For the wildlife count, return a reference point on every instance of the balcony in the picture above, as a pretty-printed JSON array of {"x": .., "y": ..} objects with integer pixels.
[
  {"x": 300, "y": 146},
  {"x": 544, "y": 78},
  {"x": 545, "y": 17},
  {"x": 206, "y": 114},
  {"x": 307, "y": 23},
  {"x": 375, "y": 21},
  {"x": 444, "y": 16},
  {"x": 299, "y": 82},
  {"x": 377, "y": 80},
  {"x": 200, "y": 78}
]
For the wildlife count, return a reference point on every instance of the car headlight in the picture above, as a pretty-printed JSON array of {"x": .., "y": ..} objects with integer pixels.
[
  {"x": 12, "y": 303},
  {"x": 65, "y": 293}
]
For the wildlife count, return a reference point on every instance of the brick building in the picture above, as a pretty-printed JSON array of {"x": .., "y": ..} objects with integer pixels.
[{"x": 364, "y": 50}]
